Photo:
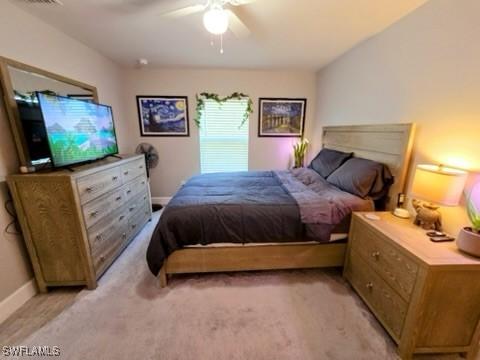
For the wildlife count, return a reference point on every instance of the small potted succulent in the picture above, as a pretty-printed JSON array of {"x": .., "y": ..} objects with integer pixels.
[
  {"x": 469, "y": 237},
  {"x": 299, "y": 151}
]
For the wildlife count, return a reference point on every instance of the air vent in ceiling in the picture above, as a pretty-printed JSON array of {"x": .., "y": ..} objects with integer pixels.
[{"x": 45, "y": 2}]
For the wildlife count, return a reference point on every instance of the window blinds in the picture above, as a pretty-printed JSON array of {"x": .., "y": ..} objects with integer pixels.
[{"x": 223, "y": 143}]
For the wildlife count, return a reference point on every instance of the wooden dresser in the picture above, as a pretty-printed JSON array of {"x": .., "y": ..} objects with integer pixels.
[
  {"x": 425, "y": 294},
  {"x": 75, "y": 223}
]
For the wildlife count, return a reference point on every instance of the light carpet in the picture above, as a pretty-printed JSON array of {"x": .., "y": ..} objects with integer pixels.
[{"x": 304, "y": 314}]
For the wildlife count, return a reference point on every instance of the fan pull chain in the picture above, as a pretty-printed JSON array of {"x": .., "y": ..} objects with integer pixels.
[
  {"x": 211, "y": 40},
  {"x": 221, "y": 43}
]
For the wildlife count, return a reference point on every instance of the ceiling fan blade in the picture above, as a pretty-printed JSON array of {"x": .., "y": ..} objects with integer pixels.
[
  {"x": 139, "y": 3},
  {"x": 237, "y": 26},
  {"x": 188, "y": 10},
  {"x": 132, "y": 6},
  {"x": 241, "y": 2}
]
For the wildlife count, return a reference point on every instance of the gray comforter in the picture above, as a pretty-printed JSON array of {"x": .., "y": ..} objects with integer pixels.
[{"x": 247, "y": 207}]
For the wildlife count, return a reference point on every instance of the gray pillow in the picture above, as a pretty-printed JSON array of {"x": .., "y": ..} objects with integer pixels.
[
  {"x": 363, "y": 178},
  {"x": 328, "y": 160}
]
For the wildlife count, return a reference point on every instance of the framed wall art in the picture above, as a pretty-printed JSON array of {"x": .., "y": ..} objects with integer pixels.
[
  {"x": 163, "y": 115},
  {"x": 281, "y": 117}
]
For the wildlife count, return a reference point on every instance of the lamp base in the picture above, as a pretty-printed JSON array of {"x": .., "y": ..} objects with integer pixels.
[
  {"x": 401, "y": 213},
  {"x": 428, "y": 216}
]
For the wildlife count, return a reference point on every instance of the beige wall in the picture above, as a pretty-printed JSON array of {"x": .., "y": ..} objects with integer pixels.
[
  {"x": 27, "y": 39},
  {"x": 179, "y": 156},
  {"x": 423, "y": 69}
]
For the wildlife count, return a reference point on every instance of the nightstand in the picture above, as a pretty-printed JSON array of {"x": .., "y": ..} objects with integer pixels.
[{"x": 426, "y": 295}]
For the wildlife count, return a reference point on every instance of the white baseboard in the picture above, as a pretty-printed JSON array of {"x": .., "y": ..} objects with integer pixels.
[
  {"x": 159, "y": 200},
  {"x": 12, "y": 303}
]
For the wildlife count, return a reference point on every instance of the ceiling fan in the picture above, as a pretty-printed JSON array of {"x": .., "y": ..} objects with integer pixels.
[{"x": 218, "y": 17}]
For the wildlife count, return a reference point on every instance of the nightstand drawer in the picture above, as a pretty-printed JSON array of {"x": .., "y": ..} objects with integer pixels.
[
  {"x": 383, "y": 300},
  {"x": 398, "y": 270}
]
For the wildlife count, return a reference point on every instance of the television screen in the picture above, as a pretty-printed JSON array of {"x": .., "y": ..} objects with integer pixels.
[{"x": 77, "y": 130}]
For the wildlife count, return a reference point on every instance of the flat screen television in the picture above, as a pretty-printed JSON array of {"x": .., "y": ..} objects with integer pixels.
[{"x": 77, "y": 131}]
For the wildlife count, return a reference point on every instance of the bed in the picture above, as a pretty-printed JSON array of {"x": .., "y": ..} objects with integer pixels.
[{"x": 274, "y": 219}]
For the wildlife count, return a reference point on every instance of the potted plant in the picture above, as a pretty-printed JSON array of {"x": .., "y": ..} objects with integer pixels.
[
  {"x": 299, "y": 151},
  {"x": 469, "y": 237}
]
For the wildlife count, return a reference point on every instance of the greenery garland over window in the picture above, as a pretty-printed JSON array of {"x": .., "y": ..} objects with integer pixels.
[{"x": 209, "y": 96}]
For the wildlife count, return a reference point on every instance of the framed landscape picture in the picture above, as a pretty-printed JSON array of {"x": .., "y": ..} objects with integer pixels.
[
  {"x": 279, "y": 117},
  {"x": 163, "y": 115}
]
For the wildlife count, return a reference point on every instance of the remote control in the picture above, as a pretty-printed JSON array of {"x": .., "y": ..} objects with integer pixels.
[
  {"x": 436, "y": 233},
  {"x": 442, "y": 238}
]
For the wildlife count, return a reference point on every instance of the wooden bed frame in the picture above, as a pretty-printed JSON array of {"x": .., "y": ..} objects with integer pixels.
[{"x": 390, "y": 144}]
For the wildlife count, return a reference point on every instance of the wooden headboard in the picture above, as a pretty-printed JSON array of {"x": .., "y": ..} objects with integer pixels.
[{"x": 389, "y": 144}]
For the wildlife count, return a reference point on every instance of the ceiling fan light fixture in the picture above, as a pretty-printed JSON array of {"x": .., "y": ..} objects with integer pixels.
[{"x": 215, "y": 20}]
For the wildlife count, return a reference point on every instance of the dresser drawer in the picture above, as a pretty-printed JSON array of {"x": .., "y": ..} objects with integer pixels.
[
  {"x": 398, "y": 270},
  {"x": 138, "y": 219},
  {"x": 98, "y": 209},
  {"x": 133, "y": 169},
  {"x": 106, "y": 239},
  {"x": 99, "y": 183},
  {"x": 136, "y": 187},
  {"x": 100, "y": 233},
  {"x": 109, "y": 248},
  {"x": 383, "y": 300},
  {"x": 136, "y": 204}
]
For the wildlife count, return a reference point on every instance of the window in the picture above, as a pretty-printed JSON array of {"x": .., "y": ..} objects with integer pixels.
[{"x": 223, "y": 143}]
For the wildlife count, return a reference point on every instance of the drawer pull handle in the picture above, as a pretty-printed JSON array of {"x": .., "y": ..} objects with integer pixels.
[
  {"x": 129, "y": 191},
  {"x": 369, "y": 286},
  {"x": 143, "y": 182},
  {"x": 121, "y": 218},
  {"x": 94, "y": 213},
  {"x": 376, "y": 255},
  {"x": 134, "y": 226},
  {"x": 118, "y": 198},
  {"x": 140, "y": 167},
  {"x": 125, "y": 172},
  {"x": 89, "y": 189},
  {"x": 115, "y": 178},
  {"x": 98, "y": 237},
  {"x": 102, "y": 258},
  {"x": 132, "y": 208}
]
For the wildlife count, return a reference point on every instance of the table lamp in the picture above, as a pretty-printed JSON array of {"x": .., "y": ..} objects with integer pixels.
[{"x": 437, "y": 185}]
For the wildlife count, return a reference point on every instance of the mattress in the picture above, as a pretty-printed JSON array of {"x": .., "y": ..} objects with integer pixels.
[{"x": 333, "y": 238}]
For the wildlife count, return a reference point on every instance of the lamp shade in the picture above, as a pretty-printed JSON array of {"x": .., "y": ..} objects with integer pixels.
[{"x": 438, "y": 184}]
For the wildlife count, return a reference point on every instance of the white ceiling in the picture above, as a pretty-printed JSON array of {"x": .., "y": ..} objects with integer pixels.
[{"x": 293, "y": 34}]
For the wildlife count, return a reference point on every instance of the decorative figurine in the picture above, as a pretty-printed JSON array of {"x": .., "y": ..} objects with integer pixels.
[{"x": 428, "y": 216}]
